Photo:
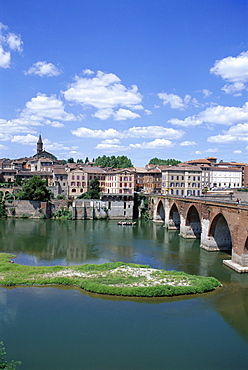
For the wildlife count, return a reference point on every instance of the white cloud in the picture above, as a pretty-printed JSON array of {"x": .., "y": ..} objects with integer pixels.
[
  {"x": 206, "y": 93},
  {"x": 120, "y": 115},
  {"x": 123, "y": 114},
  {"x": 234, "y": 70},
  {"x": 25, "y": 140},
  {"x": 133, "y": 132},
  {"x": 188, "y": 143},
  {"x": 103, "y": 92},
  {"x": 14, "y": 41},
  {"x": 88, "y": 72},
  {"x": 234, "y": 88},
  {"x": 155, "y": 144},
  {"x": 237, "y": 151},
  {"x": 9, "y": 42},
  {"x": 176, "y": 102},
  {"x": 104, "y": 114},
  {"x": 235, "y": 133},
  {"x": 43, "y": 69},
  {"x": 4, "y": 58},
  {"x": 214, "y": 150},
  {"x": 111, "y": 147},
  {"x": 224, "y": 115},
  {"x": 43, "y": 108},
  {"x": 154, "y": 132},
  {"x": 217, "y": 115},
  {"x": 12, "y": 127},
  {"x": 148, "y": 112},
  {"x": 3, "y": 147},
  {"x": 111, "y": 141},
  {"x": 96, "y": 134},
  {"x": 187, "y": 122}
]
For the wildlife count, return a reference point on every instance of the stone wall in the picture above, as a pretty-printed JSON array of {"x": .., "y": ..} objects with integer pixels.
[
  {"x": 95, "y": 209},
  {"x": 28, "y": 208}
]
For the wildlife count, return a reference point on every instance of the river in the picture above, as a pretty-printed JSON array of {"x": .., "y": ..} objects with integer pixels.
[{"x": 61, "y": 328}]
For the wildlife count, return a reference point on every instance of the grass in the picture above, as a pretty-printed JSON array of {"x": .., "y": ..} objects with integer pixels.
[{"x": 125, "y": 279}]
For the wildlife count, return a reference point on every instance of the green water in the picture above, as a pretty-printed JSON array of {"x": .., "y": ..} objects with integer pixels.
[{"x": 68, "y": 329}]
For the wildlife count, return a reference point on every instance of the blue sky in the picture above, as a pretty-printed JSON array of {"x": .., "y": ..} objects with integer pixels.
[{"x": 140, "y": 78}]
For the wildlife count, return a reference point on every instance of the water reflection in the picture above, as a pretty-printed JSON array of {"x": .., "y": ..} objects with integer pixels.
[{"x": 48, "y": 242}]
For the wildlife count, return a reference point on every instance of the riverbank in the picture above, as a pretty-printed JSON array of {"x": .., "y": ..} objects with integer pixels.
[{"x": 124, "y": 279}]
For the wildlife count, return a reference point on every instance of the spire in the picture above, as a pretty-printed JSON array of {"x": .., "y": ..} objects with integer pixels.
[{"x": 39, "y": 145}]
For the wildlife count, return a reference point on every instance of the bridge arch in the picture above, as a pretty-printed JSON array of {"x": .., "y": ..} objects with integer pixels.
[
  {"x": 174, "y": 218},
  {"x": 193, "y": 222},
  {"x": 220, "y": 232},
  {"x": 160, "y": 211}
]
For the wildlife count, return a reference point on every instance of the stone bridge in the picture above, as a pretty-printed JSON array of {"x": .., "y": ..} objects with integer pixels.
[{"x": 220, "y": 226}]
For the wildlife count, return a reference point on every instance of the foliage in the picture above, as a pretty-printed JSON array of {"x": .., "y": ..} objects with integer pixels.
[
  {"x": 243, "y": 189},
  {"x": 70, "y": 160},
  {"x": 60, "y": 196},
  {"x": 18, "y": 180},
  {"x": 142, "y": 203},
  {"x": 94, "y": 192},
  {"x": 164, "y": 162},
  {"x": 114, "y": 162},
  {"x": 9, "y": 197},
  {"x": 34, "y": 189},
  {"x": 63, "y": 213},
  {"x": 108, "y": 278},
  {"x": 86, "y": 160},
  {"x": 3, "y": 213},
  {"x": 5, "y": 364}
]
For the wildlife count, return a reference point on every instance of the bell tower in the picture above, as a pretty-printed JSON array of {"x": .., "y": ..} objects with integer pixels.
[{"x": 39, "y": 145}]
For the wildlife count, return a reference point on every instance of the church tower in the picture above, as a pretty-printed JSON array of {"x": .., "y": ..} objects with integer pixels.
[{"x": 39, "y": 145}]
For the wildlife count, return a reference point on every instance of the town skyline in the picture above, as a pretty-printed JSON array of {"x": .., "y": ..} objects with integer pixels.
[{"x": 165, "y": 80}]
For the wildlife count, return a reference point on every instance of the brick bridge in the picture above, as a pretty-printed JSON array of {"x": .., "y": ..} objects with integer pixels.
[{"x": 220, "y": 226}]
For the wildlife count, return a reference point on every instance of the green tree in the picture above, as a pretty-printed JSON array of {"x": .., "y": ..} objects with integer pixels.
[
  {"x": 94, "y": 192},
  {"x": 2, "y": 208},
  {"x": 86, "y": 160},
  {"x": 35, "y": 189},
  {"x": 71, "y": 160},
  {"x": 6, "y": 364},
  {"x": 114, "y": 162},
  {"x": 164, "y": 162}
]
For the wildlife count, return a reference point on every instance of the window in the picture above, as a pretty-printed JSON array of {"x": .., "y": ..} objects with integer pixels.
[
  {"x": 172, "y": 177},
  {"x": 73, "y": 177},
  {"x": 73, "y": 183},
  {"x": 125, "y": 178},
  {"x": 78, "y": 177},
  {"x": 73, "y": 190},
  {"x": 82, "y": 177}
]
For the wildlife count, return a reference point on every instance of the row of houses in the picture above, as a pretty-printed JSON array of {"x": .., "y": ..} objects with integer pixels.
[{"x": 72, "y": 179}]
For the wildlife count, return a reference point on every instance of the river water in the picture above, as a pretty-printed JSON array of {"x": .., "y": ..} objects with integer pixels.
[{"x": 61, "y": 328}]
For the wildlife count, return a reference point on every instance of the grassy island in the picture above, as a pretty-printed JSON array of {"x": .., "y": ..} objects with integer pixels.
[{"x": 124, "y": 279}]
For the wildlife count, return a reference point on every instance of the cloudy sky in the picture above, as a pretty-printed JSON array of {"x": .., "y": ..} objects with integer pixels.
[{"x": 140, "y": 78}]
